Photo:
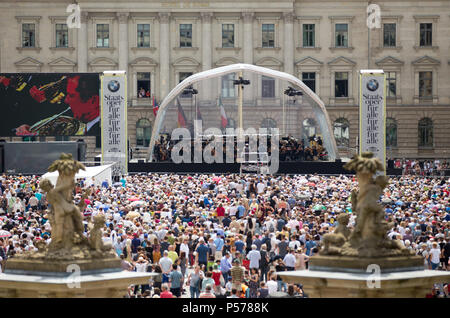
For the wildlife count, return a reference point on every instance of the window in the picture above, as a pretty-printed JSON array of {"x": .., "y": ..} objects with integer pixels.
[
  {"x": 391, "y": 132},
  {"x": 102, "y": 35},
  {"x": 309, "y": 128},
  {"x": 425, "y": 132},
  {"x": 341, "y": 84},
  {"x": 143, "y": 132},
  {"x": 309, "y": 78},
  {"x": 341, "y": 132},
  {"x": 391, "y": 84},
  {"x": 143, "y": 85},
  {"x": 268, "y": 87},
  {"x": 61, "y": 138},
  {"x": 228, "y": 89},
  {"x": 268, "y": 123},
  {"x": 185, "y": 35},
  {"x": 426, "y": 31},
  {"x": 268, "y": 35},
  {"x": 143, "y": 35},
  {"x": 425, "y": 84},
  {"x": 28, "y": 35},
  {"x": 309, "y": 35},
  {"x": 183, "y": 76},
  {"x": 227, "y": 35},
  {"x": 341, "y": 31},
  {"x": 389, "y": 34},
  {"x": 62, "y": 35}
]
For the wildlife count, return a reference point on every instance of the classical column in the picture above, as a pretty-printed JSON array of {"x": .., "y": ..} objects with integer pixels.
[
  {"x": 123, "y": 40},
  {"x": 289, "y": 42},
  {"x": 248, "y": 53},
  {"x": 82, "y": 47},
  {"x": 164, "y": 54},
  {"x": 206, "y": 93}
]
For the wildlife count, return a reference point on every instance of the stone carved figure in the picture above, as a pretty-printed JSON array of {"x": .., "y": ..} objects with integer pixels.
[
  {"x": 66, "y": 220},
  {"x": 334, "y": 241},
  {"x": 369, "y": 237},
  {"x": 95, "y": 237}
]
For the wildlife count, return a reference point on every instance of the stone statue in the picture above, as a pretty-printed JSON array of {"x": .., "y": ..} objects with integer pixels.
[
  {"x": 369, "y": 237},
  {"x": 334, "y": 241},
  {"x": 95, "y": 237},
  {"x": 68, "y": 241}
]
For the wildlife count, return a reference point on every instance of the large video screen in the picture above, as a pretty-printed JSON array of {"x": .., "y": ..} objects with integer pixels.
[{"x": 49, "y": 104}]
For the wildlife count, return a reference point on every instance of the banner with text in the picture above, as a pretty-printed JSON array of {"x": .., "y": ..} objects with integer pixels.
[
  {"x": 372, "y": 108},
  {"x": 114, "y": 122}
]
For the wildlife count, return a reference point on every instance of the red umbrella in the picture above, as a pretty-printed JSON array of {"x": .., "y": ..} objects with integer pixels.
[
  {"x": 133, "y": 199},
  {"x": 311, "y": 184}
]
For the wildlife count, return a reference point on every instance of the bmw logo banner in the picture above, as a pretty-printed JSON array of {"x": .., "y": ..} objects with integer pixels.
[
  {"x": 114, "y": 121},
  {"x": 372, "y": 109}
]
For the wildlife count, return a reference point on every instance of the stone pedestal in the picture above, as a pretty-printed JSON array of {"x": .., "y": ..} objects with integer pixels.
[
  {"x": 95, "y": 284},
  {"x": 85, "y": 278},
  {"x": 328, "y": 284}
]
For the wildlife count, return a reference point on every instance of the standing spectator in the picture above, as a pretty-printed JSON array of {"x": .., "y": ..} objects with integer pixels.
[{"x": 175, "y": 279}]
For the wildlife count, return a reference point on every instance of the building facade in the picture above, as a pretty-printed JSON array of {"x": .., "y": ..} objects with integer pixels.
[{"x": 324, "y": 43}]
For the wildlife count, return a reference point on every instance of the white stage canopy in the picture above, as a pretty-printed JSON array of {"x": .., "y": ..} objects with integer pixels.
[
  {"x": 311, "y": 98},
  {"x": 92, "y": 175}
]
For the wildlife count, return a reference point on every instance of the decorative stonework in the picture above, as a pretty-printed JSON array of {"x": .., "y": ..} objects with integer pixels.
[
  {"x": 164, "y": 17},
  {"x": 248, "y": 17},
  {"x": 123, "y": 17}
]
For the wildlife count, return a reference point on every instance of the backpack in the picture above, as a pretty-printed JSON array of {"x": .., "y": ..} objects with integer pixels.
[{"x": 271, "y": 227}]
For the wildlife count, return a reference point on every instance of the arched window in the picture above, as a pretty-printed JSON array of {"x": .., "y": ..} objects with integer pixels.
[
  {"x": 268, "y": 123},
  {"x": 143, "y": 132},
  {"x": 391, "y": 132},
  {"x": 309, "y": 127},
  {"x": 341, "y": 129},
  {"x": 425, "y": 132}
]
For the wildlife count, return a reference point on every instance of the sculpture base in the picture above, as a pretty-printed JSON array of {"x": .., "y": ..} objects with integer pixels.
[
  {"x": 61, "y": 267},
  {"x": 97, "y": 284},
  {"x": 360, "y": 264},
  {"x": 404, "y": 284}
]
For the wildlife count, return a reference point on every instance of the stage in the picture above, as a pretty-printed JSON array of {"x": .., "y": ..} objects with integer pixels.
[{"x": 297, "y": 167}]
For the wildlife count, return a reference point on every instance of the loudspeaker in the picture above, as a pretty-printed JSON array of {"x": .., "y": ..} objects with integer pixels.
[{"x": 390, "y": 164}]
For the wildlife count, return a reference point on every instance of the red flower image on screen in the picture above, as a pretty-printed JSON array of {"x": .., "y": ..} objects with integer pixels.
[{"x": 81, "y": 98}]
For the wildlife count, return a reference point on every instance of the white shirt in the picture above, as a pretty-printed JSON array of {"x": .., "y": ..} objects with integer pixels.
[
  {"x": 184, "y": 248},
  {"x": 435, "y": 255},
  {"x": 289, "y": 260},
  {"x": 254, "y": 256},
  {"x": 272, "y": 286},
  {"x": 166, "y": 264},
  {"x": 141, "y": 267}
]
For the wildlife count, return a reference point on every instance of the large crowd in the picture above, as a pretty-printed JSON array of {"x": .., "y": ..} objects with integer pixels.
[
  {"x": 228, "y": 235},
  {"x": 290, "y": 148}
]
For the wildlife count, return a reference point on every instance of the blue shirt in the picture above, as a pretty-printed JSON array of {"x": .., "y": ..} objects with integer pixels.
[
  {"x": 225, "y": 264},
  {"x": 241, "y": 210},
  {"x": 202, "y": 251},
  {"x": 309, "y": 246},
  {"x": 175, "y": 279},
  {"x": 239, "y": 246},
  {"x": 219, "y": 244}
]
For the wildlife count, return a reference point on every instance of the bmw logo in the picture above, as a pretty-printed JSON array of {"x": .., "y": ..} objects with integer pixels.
[
  {"x": 372, "y": 85},
  {"x": 113, "y": 86}
]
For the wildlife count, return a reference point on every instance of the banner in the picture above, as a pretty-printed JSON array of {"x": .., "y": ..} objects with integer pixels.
[
  {"x": 372, "y": 112},
  {"x": 49, "y": 104},
  {"x": 114, "y": 121}
]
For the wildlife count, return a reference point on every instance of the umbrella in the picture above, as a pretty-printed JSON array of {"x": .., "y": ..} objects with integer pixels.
[
  {"x": 87, "y": 201},
  {"x": 117, "y": 184},
  {"x": 311, "y": 184},
  {"x": 137, "y": 203},
  {"x": 4, "y": 233},
  {"x": 216, "y": 179},
  {"x": 133, "y": 199}
]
